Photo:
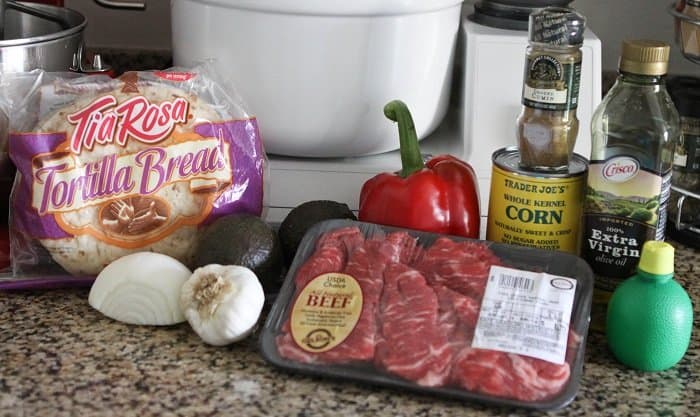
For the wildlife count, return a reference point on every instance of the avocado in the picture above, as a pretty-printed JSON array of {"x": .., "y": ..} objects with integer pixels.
[
  {"x": 303, "y": 217},
  {"x": 245, "y": 240}
]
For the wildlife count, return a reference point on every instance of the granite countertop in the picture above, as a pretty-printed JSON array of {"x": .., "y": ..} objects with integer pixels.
[{"x": 59, "y": 357}]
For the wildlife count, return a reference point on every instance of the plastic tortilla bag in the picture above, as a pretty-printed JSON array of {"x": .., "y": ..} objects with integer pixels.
[{"x": 107, "y": 167}]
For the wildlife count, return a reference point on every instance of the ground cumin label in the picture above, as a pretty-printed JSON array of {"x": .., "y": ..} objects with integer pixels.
[
  {"x": 326, "y": 311},
  {"x": 539, "y": 210}
]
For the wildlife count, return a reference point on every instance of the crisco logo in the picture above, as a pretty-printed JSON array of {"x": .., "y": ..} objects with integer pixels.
[{"x": 620, "y": 169}]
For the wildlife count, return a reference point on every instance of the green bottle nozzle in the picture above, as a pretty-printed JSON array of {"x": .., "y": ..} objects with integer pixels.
[{"x": 657, "y": 258}]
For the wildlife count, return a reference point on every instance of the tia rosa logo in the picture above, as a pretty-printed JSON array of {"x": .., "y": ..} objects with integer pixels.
[
  {"x": 103, "y": 121},
  {"x": 620, "y": 169}
]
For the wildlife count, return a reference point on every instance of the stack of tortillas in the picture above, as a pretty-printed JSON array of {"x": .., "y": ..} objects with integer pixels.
[{"x": 163, "y": 221}]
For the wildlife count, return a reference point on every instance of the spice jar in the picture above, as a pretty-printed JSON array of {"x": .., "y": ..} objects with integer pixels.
[
  {"x": 547, "y": 126},
  {"x": 690, "y": 29}
]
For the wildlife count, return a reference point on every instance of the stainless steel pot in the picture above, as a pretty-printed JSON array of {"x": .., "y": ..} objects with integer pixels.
[
  {"x": 39, "y": 36},
  {"x": 34, "y": 36}
]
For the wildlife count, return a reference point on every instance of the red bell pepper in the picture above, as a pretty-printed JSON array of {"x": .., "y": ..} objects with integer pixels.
[{"x": 439, "y": 196}]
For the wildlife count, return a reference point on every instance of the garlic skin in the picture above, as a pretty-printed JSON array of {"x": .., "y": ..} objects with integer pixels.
[
  {"x": 222, "y": 303},
  {"x": 141, "y": 288}
]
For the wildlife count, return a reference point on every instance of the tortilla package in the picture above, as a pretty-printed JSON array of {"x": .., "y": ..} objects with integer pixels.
[{"x": 107, "y": 167}]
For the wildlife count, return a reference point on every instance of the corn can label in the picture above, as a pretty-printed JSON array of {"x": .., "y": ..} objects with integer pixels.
[{"x": 535, "y": 210}]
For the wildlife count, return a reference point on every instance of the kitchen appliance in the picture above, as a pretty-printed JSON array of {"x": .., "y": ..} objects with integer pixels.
[
  {"x": 317, "y": 73},
  {"x": 482, "y": 103},
  {"x": 683, "y": 224},
  {"x": 38, "y": 36},
  {"x": 510, "y": 14},
  {"x": 492, "y": 88},
  {"x": 34, "y": 36},
  {"x": 31, "y": 36}
]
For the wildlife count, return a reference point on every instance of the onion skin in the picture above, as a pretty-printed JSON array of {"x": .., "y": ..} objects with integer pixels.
[{"x": 141, "y": 288}]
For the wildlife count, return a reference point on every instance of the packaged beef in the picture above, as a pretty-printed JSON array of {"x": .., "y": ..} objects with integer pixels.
[
  {"x": 108, "y": 167},
  {"x": 444, "y": 315}
]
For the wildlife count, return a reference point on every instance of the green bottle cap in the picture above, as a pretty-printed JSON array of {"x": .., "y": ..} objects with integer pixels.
[{"x": 657, "y": 258}]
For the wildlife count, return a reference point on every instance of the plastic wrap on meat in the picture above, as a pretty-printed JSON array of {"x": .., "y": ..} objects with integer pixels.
[
  {"x": 508, "y": 375},
  {"x": 412, "y": 344},
  {"x": 458, "y": 316},
  {"x": 462, "y": 266},
  {"x": 365, "y": 261},
  {"x": 421, "y": 306},
  {"x": 331, "y": 254}
]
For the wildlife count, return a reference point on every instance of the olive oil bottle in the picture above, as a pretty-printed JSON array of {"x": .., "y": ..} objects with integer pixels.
[{"x": 634, "y": 131}]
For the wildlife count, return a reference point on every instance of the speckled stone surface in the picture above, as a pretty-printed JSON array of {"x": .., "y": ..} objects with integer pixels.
[{"x": 59, "y": 357}]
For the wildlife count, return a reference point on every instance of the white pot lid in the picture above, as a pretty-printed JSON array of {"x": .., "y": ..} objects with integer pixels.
[{"x": 336, "y": 7}]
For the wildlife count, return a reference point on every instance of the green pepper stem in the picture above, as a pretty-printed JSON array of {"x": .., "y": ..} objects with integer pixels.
[{"x": 411, "y": 159}]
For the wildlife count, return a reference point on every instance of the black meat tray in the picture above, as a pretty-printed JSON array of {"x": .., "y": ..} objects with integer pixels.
[{"x": 529, "y": 259}]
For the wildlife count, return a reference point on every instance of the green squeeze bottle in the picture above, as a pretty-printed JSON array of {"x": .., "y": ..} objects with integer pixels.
[{"x": 650, "y": 316}]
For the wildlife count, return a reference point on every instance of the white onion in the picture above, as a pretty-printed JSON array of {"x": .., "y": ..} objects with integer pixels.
[{"x": 141, "y": 288}]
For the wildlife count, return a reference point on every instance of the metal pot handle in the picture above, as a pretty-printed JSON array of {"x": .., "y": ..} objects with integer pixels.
[{"x": 116, "y": 4}]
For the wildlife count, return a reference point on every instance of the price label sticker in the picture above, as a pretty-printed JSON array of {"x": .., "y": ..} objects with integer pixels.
[{"x": 526, "y": 313}]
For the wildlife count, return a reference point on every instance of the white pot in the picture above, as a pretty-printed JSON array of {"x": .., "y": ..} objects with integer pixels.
[{"x": 317, "y": 73}]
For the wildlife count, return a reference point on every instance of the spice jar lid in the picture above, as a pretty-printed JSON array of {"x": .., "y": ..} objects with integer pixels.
[
  {"x": 557, "y": 26},
  {"x": 644, "y": 57}
]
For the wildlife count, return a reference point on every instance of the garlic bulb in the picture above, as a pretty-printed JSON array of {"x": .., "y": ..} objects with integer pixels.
[
  {"x": 140, "y": 288},
  {"x": 222, "y": 303}
]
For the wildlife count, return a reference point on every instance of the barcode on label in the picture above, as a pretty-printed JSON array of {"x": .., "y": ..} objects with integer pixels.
[{"x": 512, "y": 281}]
